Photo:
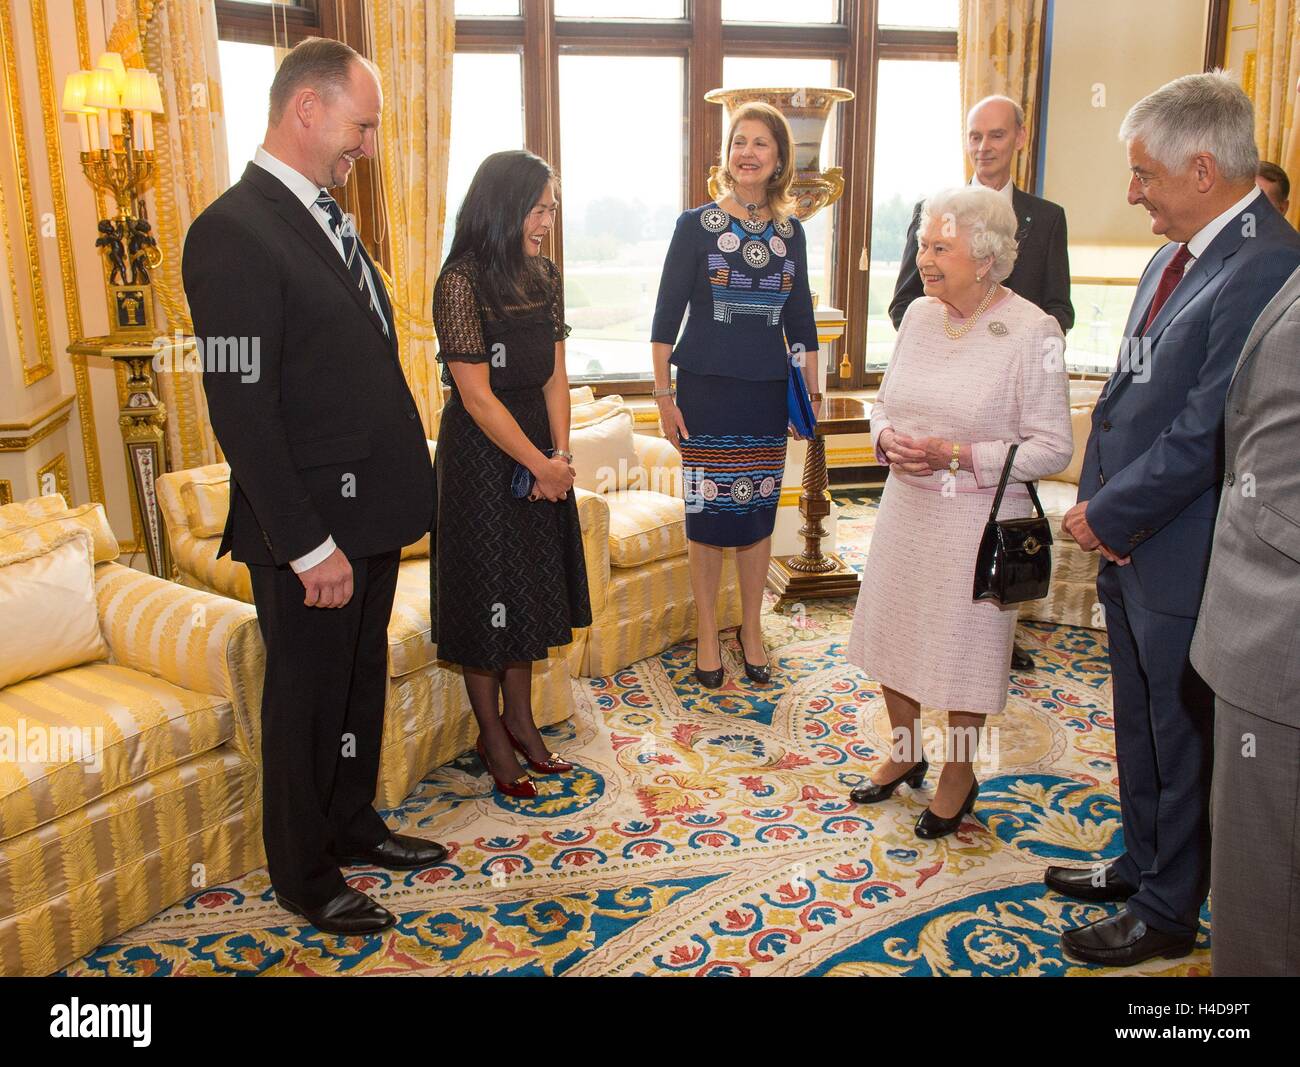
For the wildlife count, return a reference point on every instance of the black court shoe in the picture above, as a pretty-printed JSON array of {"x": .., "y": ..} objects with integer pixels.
[
  {"x": 930, "y": 825},
  {"x": 873, "y": 793},
  {"x": 755, "y": 672},
  {"x": 708, "y": 679}
]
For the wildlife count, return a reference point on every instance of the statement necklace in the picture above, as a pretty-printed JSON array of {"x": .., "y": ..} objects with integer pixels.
[{"x": 753, "y": 223}]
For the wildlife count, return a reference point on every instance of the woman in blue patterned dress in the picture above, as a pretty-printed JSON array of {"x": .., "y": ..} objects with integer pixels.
[{"x": 741, "y": 265}]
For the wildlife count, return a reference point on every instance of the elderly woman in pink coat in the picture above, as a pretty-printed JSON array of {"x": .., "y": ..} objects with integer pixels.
[{"x": 975, "y": 369}]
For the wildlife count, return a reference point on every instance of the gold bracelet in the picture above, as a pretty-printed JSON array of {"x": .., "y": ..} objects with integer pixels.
[{"x": 954, "y": 464}]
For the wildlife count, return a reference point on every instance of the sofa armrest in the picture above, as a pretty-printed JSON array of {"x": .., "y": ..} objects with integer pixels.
[
  {"x": 593, "y": 518},
  {"x": 662, "y": 464},
  {"x": 196, "y": 640}
]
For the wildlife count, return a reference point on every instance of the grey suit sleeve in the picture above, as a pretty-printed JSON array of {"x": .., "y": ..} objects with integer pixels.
[{"x": 908, "y": 287}]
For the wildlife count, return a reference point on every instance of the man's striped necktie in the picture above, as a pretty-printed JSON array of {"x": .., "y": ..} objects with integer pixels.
[{"x": 353, "y": 257}]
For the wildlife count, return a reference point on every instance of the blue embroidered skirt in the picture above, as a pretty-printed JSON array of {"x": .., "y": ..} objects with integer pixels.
[{"x": 735, "y": 457}]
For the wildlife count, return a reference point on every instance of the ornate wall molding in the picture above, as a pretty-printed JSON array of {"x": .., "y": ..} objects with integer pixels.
[
  {"x": 44, "y": 364},
  {"x": 53, "y": 478}
]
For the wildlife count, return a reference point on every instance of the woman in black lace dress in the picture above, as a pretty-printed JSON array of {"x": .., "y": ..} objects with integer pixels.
[{"x": 508, "y": 577}]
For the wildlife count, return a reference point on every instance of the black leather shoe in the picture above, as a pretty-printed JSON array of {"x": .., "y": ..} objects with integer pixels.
[
  {"x": 1123, "y": 939},
  {"x": 349, "y": 913},
  {"x": 1020, "y": 659},
  {"x": 930, "y": 825},
  {"x": 871, "y": 793},
  {"x": 397, "y": 853},
  {"x": 1081, "y": 883},
  {"x": 755, "y": 672}
]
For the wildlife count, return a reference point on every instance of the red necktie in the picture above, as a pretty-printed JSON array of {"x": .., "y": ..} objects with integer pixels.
[{"x": 1173, "y": 274}]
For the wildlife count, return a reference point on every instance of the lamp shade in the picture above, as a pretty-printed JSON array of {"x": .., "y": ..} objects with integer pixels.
[
  {"x": 137, "y": 94},
  {"x": 74, "y": 92},
  {"x": 155, "y": 95},
  {"x": 101, "y": 92},
  {"x": 112, "y": 61}
]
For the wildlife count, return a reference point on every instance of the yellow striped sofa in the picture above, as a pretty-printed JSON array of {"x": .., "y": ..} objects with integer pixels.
[{"x": 163, "y": 796}]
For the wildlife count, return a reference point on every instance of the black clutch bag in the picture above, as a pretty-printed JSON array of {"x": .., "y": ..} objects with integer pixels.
[{"x": 1015, "y": 557}]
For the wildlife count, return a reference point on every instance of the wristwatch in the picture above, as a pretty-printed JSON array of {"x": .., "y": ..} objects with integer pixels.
[
  {"x": 954, "y": 464},
  {"x": 562, "y": 454},
  {"x": 657, "y": 393}
]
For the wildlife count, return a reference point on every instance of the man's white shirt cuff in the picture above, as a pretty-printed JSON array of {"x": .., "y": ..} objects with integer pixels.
[{"x": 315, "y": 556}]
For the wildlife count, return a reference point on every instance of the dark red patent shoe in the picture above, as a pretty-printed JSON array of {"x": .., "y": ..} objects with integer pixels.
[
  {"x": 521, "y": 788},
  {"x": 551, "y": 765}
]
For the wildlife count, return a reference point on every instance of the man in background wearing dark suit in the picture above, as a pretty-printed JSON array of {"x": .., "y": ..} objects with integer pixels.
[
  {"x": 1149, "y": 492},
  {"x": 995, "y": 132},
  {"x": 1276, "y": 185},
  {"x": 329, "y": 474}
]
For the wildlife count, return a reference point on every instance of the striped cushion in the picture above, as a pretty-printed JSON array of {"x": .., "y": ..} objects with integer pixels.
[
  {"x": 596, "y": 410},
  {"x": 41, "y": 520},
  {"x": 644, "y": 527},
  {"x": 207, "y": 503},
  {"x": 131, "y": 726},
  {"x": 25, "y": 512}
]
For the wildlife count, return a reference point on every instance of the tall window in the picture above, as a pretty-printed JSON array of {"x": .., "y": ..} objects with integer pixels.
[
  {"x": 244, "y": 98},
  {"x": 487, "y": 115},
  {"x": 622, "y": 192},
  {"x": 613, "y": 98},
  {"x": 913, "y": 95}
]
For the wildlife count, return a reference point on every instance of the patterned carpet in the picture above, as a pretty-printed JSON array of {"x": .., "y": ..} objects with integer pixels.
[{"x": 707, "y": 832}]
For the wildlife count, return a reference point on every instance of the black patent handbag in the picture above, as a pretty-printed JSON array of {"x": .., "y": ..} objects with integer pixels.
[{"x": 1014, "y": 563}]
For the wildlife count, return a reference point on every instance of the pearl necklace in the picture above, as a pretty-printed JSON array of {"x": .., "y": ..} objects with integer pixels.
[{"x": 961, "y": 331}]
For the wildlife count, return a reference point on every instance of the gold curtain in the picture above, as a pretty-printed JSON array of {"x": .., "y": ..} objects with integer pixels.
[
  {"x": 1277, "y": 67},
  {"x": 998, "y": 47},
  {"x": 412, "y": 44}
]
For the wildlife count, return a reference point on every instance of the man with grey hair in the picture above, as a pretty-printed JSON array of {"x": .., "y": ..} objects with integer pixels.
[
  {"x": 995, "y": 132},
  {"x": 1149, "y": 491},
  {"x": 329, "y": 475}
]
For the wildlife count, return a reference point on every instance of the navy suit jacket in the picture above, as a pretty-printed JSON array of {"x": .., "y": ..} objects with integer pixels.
[{"x": 1154, "y": 461}]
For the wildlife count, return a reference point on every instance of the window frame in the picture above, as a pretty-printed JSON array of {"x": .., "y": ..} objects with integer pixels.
[{"x": 702, "y": 40}]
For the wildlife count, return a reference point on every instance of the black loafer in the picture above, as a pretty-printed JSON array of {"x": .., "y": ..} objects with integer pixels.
[
  {"x": 755, "y": 672},
  {"x": 351, "y": 913},
  {"x": 1121, "y": 940},
  {"x": 397, "y": 853},
  {"x": 1020, "y": 659},
  {"x": 930, "y": 825},
  {"x": 1103, "y": 886},
  {"x": 872, "y": 793}
]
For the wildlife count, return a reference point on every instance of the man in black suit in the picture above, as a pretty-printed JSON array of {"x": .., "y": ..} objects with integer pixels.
[
  {"x": 329, "y": 474},
  {"x": 995, "y": 132}
]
